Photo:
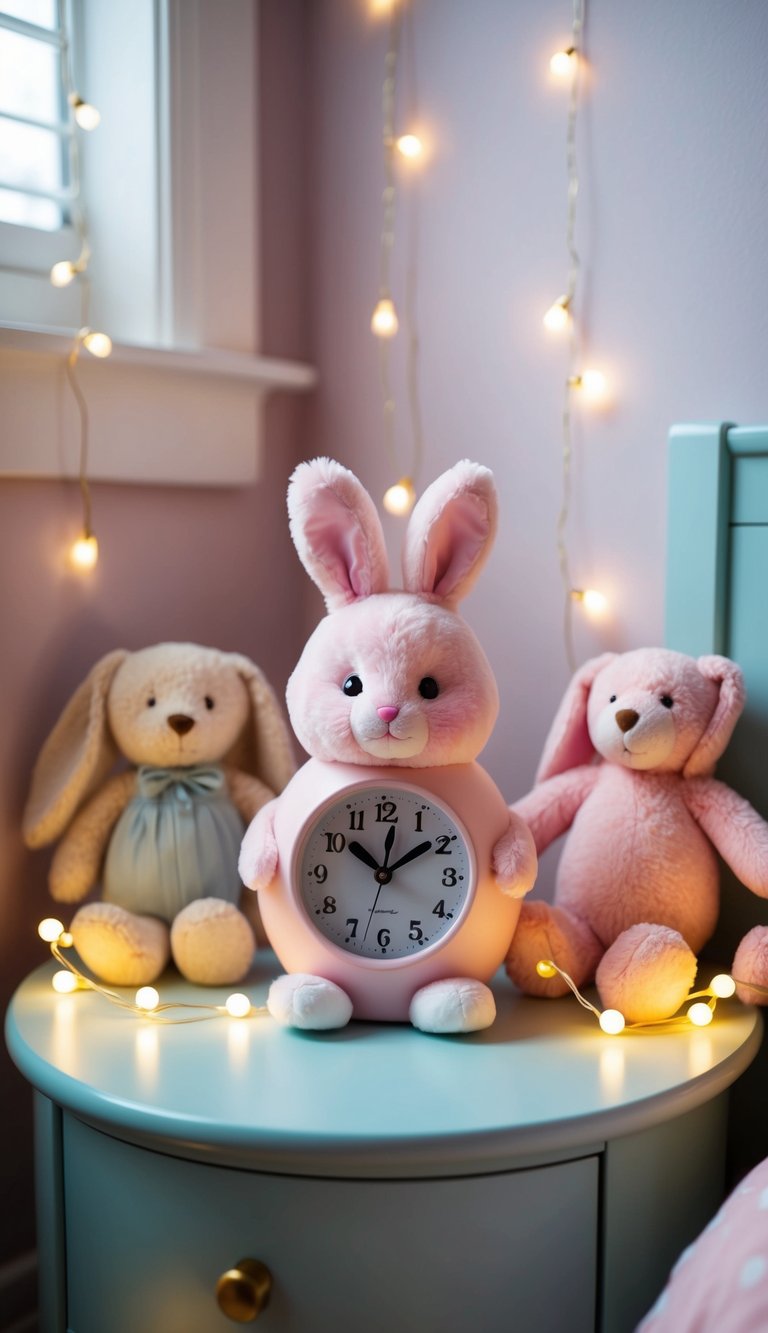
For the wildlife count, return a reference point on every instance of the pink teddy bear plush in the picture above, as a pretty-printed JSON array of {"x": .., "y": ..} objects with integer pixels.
[{"x": 637, "y": 891}]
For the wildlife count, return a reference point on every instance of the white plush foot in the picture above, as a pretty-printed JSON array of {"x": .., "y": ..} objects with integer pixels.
[
  {"x": 458, "y": 1004},
  {"x": 212, "y": 943},
  {"x": 120, "y": 948},
  {"x": 303, "y": 1001}
]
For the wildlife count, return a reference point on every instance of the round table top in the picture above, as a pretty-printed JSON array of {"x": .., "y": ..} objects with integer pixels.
[{"x": 373, "y": 1099}]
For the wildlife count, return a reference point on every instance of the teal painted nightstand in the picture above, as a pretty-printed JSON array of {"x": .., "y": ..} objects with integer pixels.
[{"x": 536, "y": 1176}]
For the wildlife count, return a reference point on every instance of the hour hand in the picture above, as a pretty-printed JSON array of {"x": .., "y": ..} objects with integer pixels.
[
  {"x": 411, "y": 855},
  {"x": 360, "y": 852}
]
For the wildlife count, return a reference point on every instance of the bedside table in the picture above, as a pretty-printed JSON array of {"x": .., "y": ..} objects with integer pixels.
[{"x": 536, "y": 1176}]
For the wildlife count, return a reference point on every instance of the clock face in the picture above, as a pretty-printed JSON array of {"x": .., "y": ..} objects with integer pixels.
[{"x": 385, "y": 872}]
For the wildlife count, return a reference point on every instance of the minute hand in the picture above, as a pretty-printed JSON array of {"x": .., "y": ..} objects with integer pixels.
[{"x": 411, "y": 855}]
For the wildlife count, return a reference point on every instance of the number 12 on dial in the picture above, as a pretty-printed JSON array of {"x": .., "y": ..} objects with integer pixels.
[{"x": 385, "y": 873}]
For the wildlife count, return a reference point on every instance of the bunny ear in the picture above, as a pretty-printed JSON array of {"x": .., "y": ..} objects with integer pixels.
[
  {"x": 337, "y": 532},
  {"x": 730, "y": 703},
  {"x": 74, "y": 759},
  {"x": 451, "y": 532},
  {"x": 568, "y": 744},
  {"x": 266, "y": 751}
]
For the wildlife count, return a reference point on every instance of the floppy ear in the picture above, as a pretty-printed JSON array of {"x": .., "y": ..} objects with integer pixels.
[
  {"x": 75, "y": 758},
  {"x": 337, "y": 532},
  {"x": 568, "y": 744},
  {"x": 265, "y": 750},
  {"x": 729, "y": 677},
  {"x": 451, "y": 532}
]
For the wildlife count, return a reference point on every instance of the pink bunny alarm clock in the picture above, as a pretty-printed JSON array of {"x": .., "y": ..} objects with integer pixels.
[{"x": 390, "y": 870}]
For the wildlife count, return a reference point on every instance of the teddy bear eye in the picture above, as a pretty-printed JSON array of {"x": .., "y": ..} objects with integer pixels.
[
  {"x": 666, "y": 700},
  {"x": 208, "y": 701},
  {"x": 352, "y": 685},
  {"x": 612, "y": 699},
  {"x": 151, "y": 701},
  {"x": 428, "y": 687}
]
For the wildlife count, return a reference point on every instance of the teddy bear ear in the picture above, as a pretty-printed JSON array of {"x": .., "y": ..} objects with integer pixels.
[
  {"x": 451, "y": 532},
  {"x": 568, "y": 744},
  {"x": 337, "y": 532},
  {"x": 266, "y": 749},
  {"x": 730, "y": 703},
  {"x": 74, "y": 759}
]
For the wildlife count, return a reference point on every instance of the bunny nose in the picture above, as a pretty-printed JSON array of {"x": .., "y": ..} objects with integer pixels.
[
  {"x": 180, "y": 723},
  {"x": 626, "y": 719},
  {"x": 387, "y": 714}
]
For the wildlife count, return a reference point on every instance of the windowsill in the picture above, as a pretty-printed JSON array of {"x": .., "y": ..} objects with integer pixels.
[{"x": 158, "y": 415}]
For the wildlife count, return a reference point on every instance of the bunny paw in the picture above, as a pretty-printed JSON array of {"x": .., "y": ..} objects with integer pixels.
[
  {"x": 303, "y": 1001},
  {"x": 119, "y": 947},
  {"x": 514, "y": 859},
  {"x": 212, "y": 942},
  {"x": 458, "y": 1004}
]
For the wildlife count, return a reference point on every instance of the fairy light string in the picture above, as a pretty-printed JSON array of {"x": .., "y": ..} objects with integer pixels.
[
  {"x": 703, "y": 1003},
  {"x": 146, "y": 1002},
  {"x": 84, "y": 116},
  {"x": 587, "y": 384},
  {"x": 385, "y": 321}
]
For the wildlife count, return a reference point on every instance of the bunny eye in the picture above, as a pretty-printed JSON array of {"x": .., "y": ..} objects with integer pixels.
[
  {"x": 666, "y": 700},
  {"x": 429, "y": 688},
  {"x": 612, "y": 699},
  {"x": 151, "y": 701},
  {"x": 208, "y": 702},
  {"x": 352, "y": 685}
]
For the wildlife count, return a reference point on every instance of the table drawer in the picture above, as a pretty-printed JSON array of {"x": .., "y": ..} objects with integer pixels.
[{"x": 147, "y": 1237}]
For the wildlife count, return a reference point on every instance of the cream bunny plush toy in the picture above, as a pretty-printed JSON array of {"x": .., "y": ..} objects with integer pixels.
[
  {"x": 207, "y": 745},
  {"x": 392, "y": 688},
  {"x": 627, "y": 769}
]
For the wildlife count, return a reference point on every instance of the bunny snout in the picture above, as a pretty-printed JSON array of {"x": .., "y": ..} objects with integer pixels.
[
  {"x": 636, "y": 732},
  {"x": 181, "y": 723}
]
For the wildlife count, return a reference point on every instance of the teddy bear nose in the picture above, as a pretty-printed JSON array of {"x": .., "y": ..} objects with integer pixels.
[
  {"x": 180, "y": 723},
  {"x": 387, "y": 714},
  {"x": 626, "y": 719}
]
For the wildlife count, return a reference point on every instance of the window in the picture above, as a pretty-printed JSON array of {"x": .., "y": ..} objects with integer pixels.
[{"x": 35, "y": 134}]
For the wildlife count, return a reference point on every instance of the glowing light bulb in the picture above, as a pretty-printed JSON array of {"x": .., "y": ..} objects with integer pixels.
[
  {"x": 612, "y": 1021},
  {"x": 147, "y": 998},
  {"x": 545, "y": 968},
  {"x": 400, "y": 498},
  {"x": 238, "y": 1006},
  {"x": 50, "y": 929},
  {"x": 64, "y": 983},
  {"x": 98, "y": 344},
  {"x": 63, "y": 273},
  {"x": 84, "y": 552},
  {"x": 595, "y": 603},
  {"x": 65, "y": 940},
  {"x": 86, "y": 114},
  {"x": 384, "y": 321},
  {"x": 410, "y": 145},
  {"x": 563, "y": 63},
  {"x": 723, "y": 986},
  {"x": 558, "y": 317},
  {"x": 700, "y": 1014},
  {"x": 592, "y": 383}
]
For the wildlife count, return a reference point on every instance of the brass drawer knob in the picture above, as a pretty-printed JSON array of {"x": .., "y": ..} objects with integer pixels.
[{"x": 243, "y": 1291}]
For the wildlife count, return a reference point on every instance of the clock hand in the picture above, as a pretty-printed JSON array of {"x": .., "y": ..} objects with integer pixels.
[
  {"x": 410, "y": 856},
  {"x": 362, "y": 855},
  {"x": 383, "y": 875}
]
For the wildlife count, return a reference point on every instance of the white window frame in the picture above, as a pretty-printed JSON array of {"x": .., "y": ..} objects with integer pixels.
[{"x": 187, "y": 357}]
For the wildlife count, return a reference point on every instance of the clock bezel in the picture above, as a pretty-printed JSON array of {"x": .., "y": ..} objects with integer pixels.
[{"x": 337, "y": 798}]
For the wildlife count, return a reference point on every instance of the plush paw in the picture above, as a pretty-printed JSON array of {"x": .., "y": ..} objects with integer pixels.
[
  {"x": 458, "y": 1004},
  {"x": 549, "y": 932},
  {"x": 212, "y": 943},
  {"x": 119, "y": 947},
  {"x": 302, "y": 1001},
  {"x": 514, "y": 859},
  {"x": 750, "y": 963},
  {"x": 647, "y": 973},
  {"x": 257, "y": 863}
]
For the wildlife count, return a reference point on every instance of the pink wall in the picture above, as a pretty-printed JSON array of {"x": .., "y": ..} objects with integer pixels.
[{"x": 674, "y": 195}]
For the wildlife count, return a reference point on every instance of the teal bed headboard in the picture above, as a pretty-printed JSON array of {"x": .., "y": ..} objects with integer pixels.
[{"x": 717, "y": 601}]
